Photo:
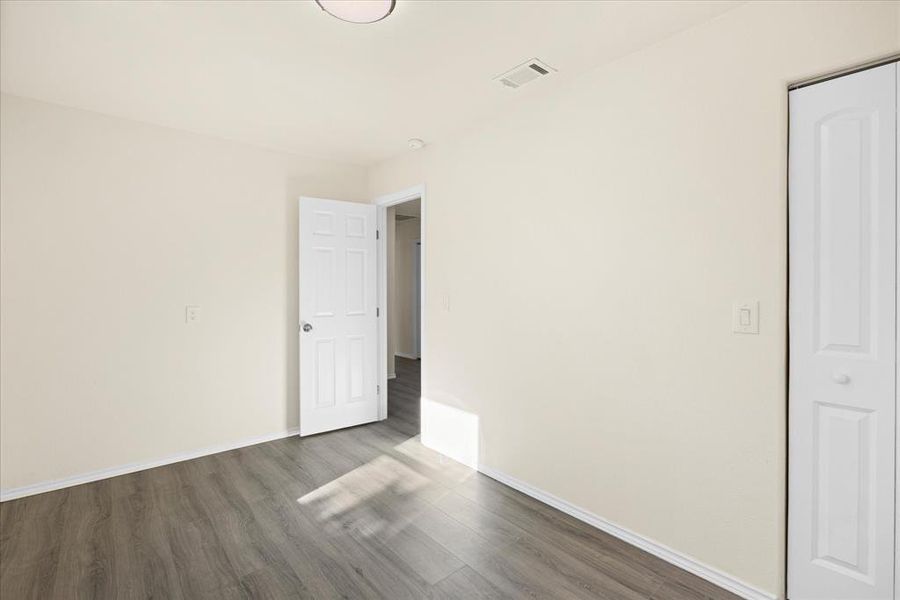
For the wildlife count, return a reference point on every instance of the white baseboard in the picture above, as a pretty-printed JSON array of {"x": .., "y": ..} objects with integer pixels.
[
  {"x": 49, "y": 486},
  {"x": 392, "y": 376},
  {"x": 405, "y": 355},
  {"x": 691, "y": 565}
]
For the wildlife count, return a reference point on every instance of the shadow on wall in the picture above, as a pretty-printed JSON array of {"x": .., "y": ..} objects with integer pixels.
[{"x": 292, "y": 306}]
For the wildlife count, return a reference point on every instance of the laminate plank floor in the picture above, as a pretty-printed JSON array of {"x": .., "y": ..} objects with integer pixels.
[{"x": 366, "y": 512}]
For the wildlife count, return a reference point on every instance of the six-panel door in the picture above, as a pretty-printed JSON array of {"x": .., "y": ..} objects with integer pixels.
[
  {"x": 338, "y": 324},
  {"x": 842, "y": 397}
]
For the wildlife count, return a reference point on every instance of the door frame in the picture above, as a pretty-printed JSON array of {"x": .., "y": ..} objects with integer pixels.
[
  {"x": 381, "y": 204},
  {"x": 417, "y": 298}
]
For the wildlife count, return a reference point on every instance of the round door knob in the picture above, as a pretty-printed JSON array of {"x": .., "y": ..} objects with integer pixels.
[
  {"x": 841, "y": 378},
  {"x": 307, "y": 327}
]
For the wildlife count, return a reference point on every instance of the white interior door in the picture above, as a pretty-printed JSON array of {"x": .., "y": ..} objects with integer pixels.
[
  {"x": 338, "y": 321},
  {"x": 843, "y": 278}
]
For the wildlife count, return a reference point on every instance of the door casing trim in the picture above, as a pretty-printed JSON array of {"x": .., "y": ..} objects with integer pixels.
[{"x": 382, "y": 203}]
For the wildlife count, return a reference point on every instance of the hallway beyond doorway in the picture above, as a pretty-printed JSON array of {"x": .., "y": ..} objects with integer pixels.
[{"x": 403, "y": 396}]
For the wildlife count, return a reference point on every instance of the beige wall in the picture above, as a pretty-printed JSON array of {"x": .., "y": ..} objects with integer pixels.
[
  {"x": 404, "y": 305},
  {"x": 590, "y": 242},
  {"x": 109, "y": 228}
]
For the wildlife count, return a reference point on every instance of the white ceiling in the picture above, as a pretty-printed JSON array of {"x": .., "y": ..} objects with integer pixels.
[{"x": 286, "y": 75}]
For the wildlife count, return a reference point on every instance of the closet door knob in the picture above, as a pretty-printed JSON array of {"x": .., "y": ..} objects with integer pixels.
[{"x": 841, "y": 378}]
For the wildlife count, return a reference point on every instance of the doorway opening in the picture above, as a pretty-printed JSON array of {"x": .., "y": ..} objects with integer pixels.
[
  {"x": 404, "y": 245},
  {"x": 401, "y": 289}
]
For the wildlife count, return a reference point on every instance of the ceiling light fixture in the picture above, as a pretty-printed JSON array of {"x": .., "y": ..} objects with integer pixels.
[
  {"x": 416, "y": 143},
  {"x": 357, "y": 11}
]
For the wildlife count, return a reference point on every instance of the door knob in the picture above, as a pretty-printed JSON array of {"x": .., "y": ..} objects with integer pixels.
[
  {"x": 307, "y": 327},
  {"x": 841, "y": 378}
]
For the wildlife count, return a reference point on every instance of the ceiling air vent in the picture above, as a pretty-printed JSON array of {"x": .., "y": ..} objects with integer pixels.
[{"x": 524, "y": 73}]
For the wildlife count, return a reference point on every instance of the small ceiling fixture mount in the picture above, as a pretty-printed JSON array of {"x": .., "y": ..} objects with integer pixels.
[
  {"x": 416, "y": 143},
  {"x": 358, "y": 11}
]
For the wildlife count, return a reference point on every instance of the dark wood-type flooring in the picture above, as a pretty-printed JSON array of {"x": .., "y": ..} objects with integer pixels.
[{"x": 366, "y": 512}]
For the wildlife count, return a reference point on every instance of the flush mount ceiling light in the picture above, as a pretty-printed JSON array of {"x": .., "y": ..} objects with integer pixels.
[
  {"x": 416, "y": 143},
  {"x": 357, "y": 11}
]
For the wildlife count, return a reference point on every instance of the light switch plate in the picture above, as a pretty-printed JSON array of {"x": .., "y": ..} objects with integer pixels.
[
  {"x": 191, "y": 313},
  {"x": 745, "y": 316}
]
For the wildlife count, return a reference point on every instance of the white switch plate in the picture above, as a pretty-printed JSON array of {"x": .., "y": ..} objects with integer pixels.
[
  {"x": 745, "y": 316},
  {"x": 191, "y": 313}
]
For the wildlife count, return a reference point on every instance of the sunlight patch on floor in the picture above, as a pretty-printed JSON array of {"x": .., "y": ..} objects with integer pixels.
[
  {"x": 372, "y": 499},
  {"x": 451, "y": 469}
]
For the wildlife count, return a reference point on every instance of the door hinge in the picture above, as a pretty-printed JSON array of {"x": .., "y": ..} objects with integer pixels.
[
  {"x": 377, "y": 312},
  {"x": 377, "y": 234},
  {"x": 378, "y": 390}
]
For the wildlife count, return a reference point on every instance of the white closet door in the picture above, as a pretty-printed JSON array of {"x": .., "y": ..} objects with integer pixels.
[
  {"x": 897, "y": 350},
  {"x": 843, "y": 285}
]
